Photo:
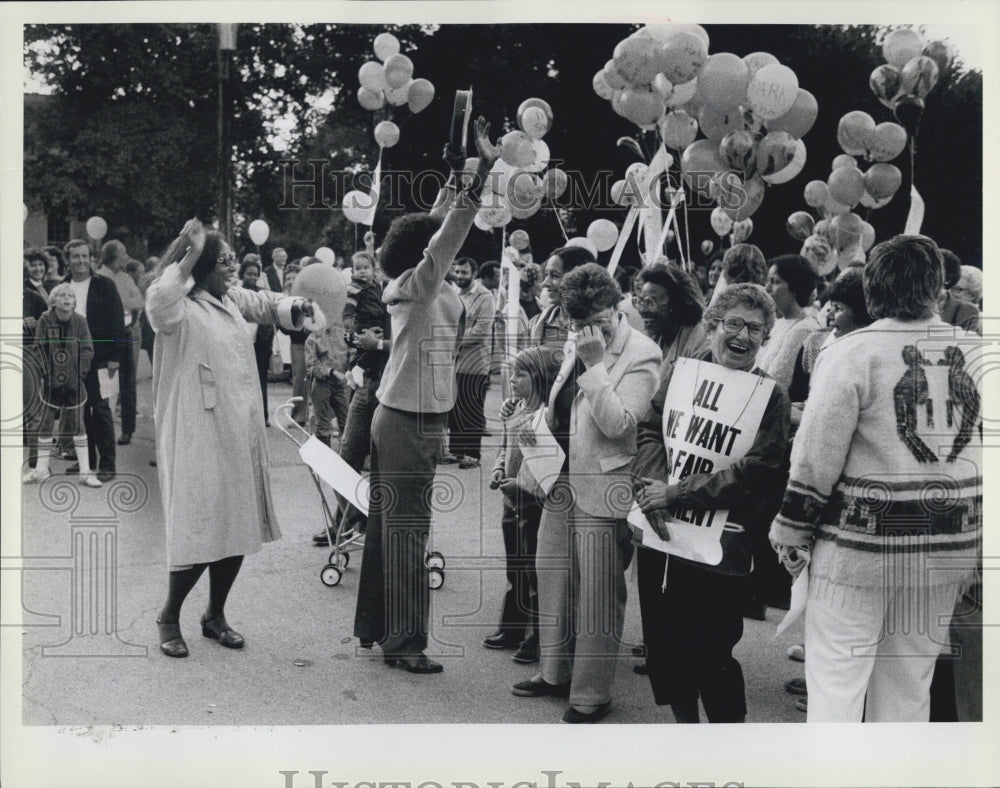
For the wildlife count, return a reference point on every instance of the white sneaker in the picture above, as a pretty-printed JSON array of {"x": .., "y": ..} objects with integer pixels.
[
  {"x": 90, "y": 480},
  {"x": 35, "y": 476}
]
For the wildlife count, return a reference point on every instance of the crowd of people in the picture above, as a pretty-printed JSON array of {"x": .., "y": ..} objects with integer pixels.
[{"x": 848, "y": 472}]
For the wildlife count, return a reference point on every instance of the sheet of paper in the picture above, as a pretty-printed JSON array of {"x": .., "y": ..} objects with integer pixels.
[
  {"x": 546, "y": 457},
  {"x": 329, "y": 466},
  {"x": 800, "y": 589},
  {"x": 358, "y": 374},
  {"x": 107, "y": 383}
]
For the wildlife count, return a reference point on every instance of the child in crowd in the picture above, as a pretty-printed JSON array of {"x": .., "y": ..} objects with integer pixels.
[
  {"x": 533, "y": 373},
  {"x": 65, "y": 349},
  {"x": 326, "y": 361}
]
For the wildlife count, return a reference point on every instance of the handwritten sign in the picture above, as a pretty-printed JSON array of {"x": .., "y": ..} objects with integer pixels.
[{"x": 711, "y": 416}]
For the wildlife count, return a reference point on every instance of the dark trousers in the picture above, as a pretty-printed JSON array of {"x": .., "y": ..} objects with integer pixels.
[
  {"x": 690, "y": 630},
  {"x": 100, "y": 426},
  {"x": 355, "y": 444},
  {"x": 262, "y": 355},
  {"x": 126, "y": 380},
  {"x": 467, "y": 421},
  {"x": 393, "y": 596},
  {"x": 519, "y": 613}
]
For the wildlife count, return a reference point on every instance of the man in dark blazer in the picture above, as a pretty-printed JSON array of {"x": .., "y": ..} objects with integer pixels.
[
  {"x": 97, "y": 300},
  {"x": 275, "y": 272}
]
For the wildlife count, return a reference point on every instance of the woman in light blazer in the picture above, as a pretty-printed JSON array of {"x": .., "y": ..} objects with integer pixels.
[{"x": 609, "y": 378}]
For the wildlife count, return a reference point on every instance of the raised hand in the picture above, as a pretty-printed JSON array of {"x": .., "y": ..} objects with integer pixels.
[
  {"x": 488, "y": 152},
  {"x": 590, "y": 346}
]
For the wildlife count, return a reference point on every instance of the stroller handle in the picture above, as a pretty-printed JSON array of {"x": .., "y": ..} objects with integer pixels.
[{"x": 283, "y": 420}]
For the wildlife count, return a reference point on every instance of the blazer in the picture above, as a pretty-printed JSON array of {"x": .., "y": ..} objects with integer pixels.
[
  {"x": 272, "y": 278},
  {"x": 106, "y": 321},
  {"x": 612, "y": 398}
]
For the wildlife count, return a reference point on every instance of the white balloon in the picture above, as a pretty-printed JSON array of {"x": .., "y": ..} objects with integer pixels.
[
  {"x": 258, "y": 232},
  {"x": 386, "y": 45},
  {"x": 97, "y": 228},
  {"x": 542, "y": 156},
  {"x": 371, "y": 76},
  {"x": 325, "y": 255},
  {"x": 356, "y": 205},
  {"x": 534, "y": 122},
  {"x": 399, "y": 96},
  {"x": 386, "y": 134},
  {"x": 586, "y": 243},
  {"x": 603, "y": 233},
  {"x": 790, "y": 170}
]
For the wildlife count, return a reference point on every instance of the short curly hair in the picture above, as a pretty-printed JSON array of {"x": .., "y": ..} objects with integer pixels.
[
  {"x": 686, "y": 304},
  {"x": 573, "y": 257},
  {"x": 849, "y": 289},
  {"x": 748, "y": 295},
  {"x": 406, "y": 241},
  {"x": 587, "y": 289},
  {"x": 744, "y": 263},
  {"x": 903, "y": 278}
]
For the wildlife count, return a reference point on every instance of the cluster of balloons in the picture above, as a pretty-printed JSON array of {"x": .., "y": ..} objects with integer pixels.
[
  {"x": 911, "y": 70},
  {"x": 389, "y": 81},
  {"x": 519, "y": 181},
  {"x": 750, "y": 110}
]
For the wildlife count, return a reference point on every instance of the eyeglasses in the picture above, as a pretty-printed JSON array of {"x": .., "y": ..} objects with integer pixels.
[
  {"x": 733, "y": 325},
  {"x": 227, "y": 259},
  {"x": 601, "y": 319},
  {"x": 645, "y": 302}
]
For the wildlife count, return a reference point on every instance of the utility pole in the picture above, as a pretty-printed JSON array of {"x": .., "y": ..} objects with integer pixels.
[{"x": 227, "y": 45}]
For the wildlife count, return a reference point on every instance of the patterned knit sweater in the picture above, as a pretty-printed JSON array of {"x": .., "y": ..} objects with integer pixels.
[{"x": 886, "y": 464}]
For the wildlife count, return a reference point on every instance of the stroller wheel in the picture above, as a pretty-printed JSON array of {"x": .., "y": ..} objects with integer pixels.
[
  {"x": 435, "y": 579},
  {"x": 330, "y": 575},
  {"x": 434, "y": 560},
  {"x": 345, "y": 560}
]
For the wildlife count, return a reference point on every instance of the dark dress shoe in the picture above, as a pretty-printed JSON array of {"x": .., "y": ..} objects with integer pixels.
[
  {"x": 642, "y": 669},
  {"x": 74, "y": 468},
  {"x": 171, "y": 642},
  {"x": 539, "y": 688},
  {"x": 755, "y": 609},
  {"x": 105, "y": 476},
  {"x": 527, "y": 653},
  {"x": 218, "y": 629},
  {"x": 415, "y": 664},
  {"x": 320, "y": 539},
  {"x": 152, "y": 463},
  {"x": 500, "y": 640},
  {"x": 573, "y": 717},
  {"x": 796, "y": 686},
  {"x": 639, "y": 650},
  {"x": 125, "y": 439}
]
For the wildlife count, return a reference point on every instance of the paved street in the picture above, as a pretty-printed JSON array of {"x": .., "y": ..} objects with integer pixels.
[{"x": 300, "y": 665}]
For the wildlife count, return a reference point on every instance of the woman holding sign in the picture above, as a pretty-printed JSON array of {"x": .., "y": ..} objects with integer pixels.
[{"x": 711, "y": 465}]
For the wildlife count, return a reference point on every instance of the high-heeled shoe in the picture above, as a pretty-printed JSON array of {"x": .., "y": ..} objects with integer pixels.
[
  {"x": 171, "y": 642},
  {"x": 217, "y": 629}
]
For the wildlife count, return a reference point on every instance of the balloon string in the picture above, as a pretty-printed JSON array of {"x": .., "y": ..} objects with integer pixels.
[
  {"x": 561, "y": 228},
  {"x": 355, "y": 237}
]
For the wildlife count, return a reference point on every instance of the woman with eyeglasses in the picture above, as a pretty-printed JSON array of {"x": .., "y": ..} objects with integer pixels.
[
  {"x": 692, "y": 615},
  {"x": 210, "y": 437},
  {"x": 670, "y": 304}
]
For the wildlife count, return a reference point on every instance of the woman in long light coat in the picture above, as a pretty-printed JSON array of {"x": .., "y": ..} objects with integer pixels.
[{"x": 210, "y": 436}]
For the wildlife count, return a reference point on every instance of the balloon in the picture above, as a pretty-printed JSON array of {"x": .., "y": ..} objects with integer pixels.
[
  {"x": 908, "y": 111},
  {"x": 612, "y": 77},
  {"x": 356, "y": 206},
  {"x": 741, "y": 200},
  {"x": 603, "y": 233},
  {"x": 882, "y": 180},
  {"x": 258, "y": 232},
  {"x": 369, "y": 99},
  {"x": 918, "y": 77},
  {"x": 855, "y": 132},
  {"x": 793, "y": 168},
  {"x": 523, "y": 189},
  {"x": 738, "y": 151},
  {"x": 543, "y": 105},
  {"x": 833, "y": 208},
  {"x": 846, "y": 184},
  {"x": 721, "y": 223},
  {"x": 97, "y": 228},
  {"x": 616, "y": 101},
  {"x": 699, "y": 163},
  {"x": 420, "y": 95},
  {"x": 816, "y": 193},
  {"x": 625, "y": 193},
  {"x": 542, "y": 156},
  {"x": 325, "y": 286},
  {"x": 821, "y": 253},
  {"x": 386, "y": 134},
  {"x": 723, "y": 81},
  {"x": 325, "y": 255},
  {"x": 800, "y": 225},
  {"x": 519, "y": 240},
  {"x": 884, "y": 83},
  {"x": 843, "y": 160},
  {"x": 637, "y": 173},
  {"x": 371, "y": 76},
  {"x": 555, "y": 182},
  {"x": 707, "y": 247},
  {"x": 938, "y": 52},
  {"x": 498, "y": 176},
  {"x": 901, "y": 46},
  {"x": 397, "y": 97},
  {"x": 867, "y": 236},
  {"x": 636, "y": 59},
  {"x": 586, "y": 243},
  {"x": 517, "y": 149},
  {"x": 774, "y": 152},
  {"x": 742, "y": 230},
  {"x": 822, "y": 229},
  {"x": 682, "y": 94},
  {"x": 755, "y": 61},
  {"x": 642, "y": 106},
  {"x": 496, "y": 215},
  {"x": 663, "y": 86},
  {"x": 870, "y": 202},
  {"x": 800, "y": 118},
  {"x": 715, "y": 126},
  {"x": 601, "y": 86},
  {"x": 889, "y": 142},
  {"x": 525, "y": 211},
  {"x": 398, "y": 70},
  {"x": 678, "y": 129},
  {"x": 681, "y": 57},
  {"x": 846, "y": 230},
  {"x": 480, "y": 222},
  {"x": 772, "y": 91},
  {"x": 533, "y": 122},
  {"x": 386, "y": 45}
]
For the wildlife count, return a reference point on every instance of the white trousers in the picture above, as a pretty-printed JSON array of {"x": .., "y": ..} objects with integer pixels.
[{"x": 873, "y": 654}]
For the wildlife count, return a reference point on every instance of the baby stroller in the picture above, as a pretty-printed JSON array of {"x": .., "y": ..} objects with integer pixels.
[{"x": 326, "y": 465}]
